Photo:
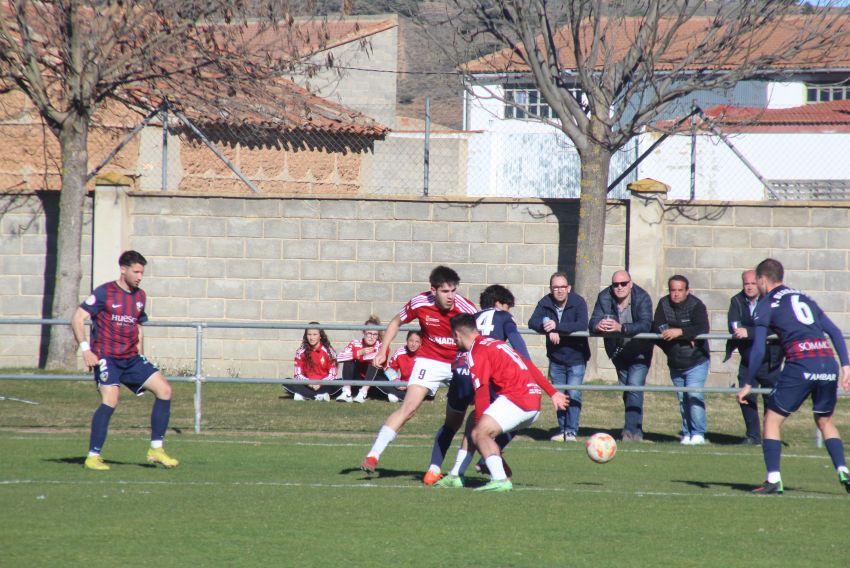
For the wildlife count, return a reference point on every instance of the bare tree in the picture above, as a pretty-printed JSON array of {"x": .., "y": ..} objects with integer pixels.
[
  {"x": 608, "y": 68},
  {"x": 71, "y": 57}
]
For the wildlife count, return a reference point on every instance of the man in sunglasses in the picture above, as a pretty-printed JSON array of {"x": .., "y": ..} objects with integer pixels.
[{"x": 623, "y": 310}]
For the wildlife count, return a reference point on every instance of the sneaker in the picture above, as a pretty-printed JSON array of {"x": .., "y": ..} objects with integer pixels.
[
  {"x": 450, "y": 481},
  {"x": 97, "y": 464},
  {"x": 324, "y": 397},
  {"x": 361, "y": 398},
  {"x": 344, "y": 397},
  {"x": 768, "y": 488},
  {"x": 297, "y": 396},
  {"x": 158, "y": 455},
  {"x": 697, "y": 440},
  {"x": 497, "y": 486},
  {"x": 369, "y": 464},
  {"x": 569, "y": 437},
  {"x": 686, "y": 440},
  {"x": 843, "y": 479},
  {"x": 392, "y": 398},
  {"x": 559, "y": 437},
  {"x": 431, "y": 477}
]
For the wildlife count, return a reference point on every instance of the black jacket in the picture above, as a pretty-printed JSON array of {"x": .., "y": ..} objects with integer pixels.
[
  {"x": 641, "y": 308},
  {"x": 740, "y": 311},
  {"x": 691, "y": 316}
]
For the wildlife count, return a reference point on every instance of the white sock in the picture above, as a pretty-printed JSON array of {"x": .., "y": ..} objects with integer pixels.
[
  {"x": 464, "y": 458},
  {"x": 385, "y": 436},
  {"x": 363, "y": 392},
  {"x": 773, "y": 477},
  {"x": 497, "y": 470},
  {"x": 155, "y": 444},
  {"x": 434, "y": 468},
  {"x": 93, "y": 454},
  {"x": 842, "y": 468},
  {"x": 346, "y": 390}
]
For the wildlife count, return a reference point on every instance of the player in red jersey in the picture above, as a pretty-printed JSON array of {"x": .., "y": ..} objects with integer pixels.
[
  {"x": 117, "y": 310},
  {"x": 517, "y": 385},
  {"x": 315, "y": 360},
  {"x": 356, "y": 361},
  {"x": 432, "y": 368}
]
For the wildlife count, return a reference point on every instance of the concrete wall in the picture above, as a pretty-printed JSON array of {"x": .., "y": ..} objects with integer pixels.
[
  {"x": 288, "y": 259},
  {"x": 332, "y": 260}
]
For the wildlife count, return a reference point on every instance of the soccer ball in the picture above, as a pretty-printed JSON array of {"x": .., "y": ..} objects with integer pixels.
[{"x": 601, "y": 447}]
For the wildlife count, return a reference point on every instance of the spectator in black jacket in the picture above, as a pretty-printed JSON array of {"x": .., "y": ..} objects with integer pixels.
[
  {"x": 563, "y": 311},
  {"x": 741, "y": 325},
  {"x": 622, "y": 310},
  {"x": 679, "y": 318}
]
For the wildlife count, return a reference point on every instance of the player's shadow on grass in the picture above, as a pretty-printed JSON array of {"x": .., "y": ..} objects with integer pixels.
[
  {"x": 77, "y": 460},
  {"x": 385, "y": 473},
  {"x": 743, "y": 487}
]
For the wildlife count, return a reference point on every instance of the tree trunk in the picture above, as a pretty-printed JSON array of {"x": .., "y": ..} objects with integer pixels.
[
  {"x": 595, "y": 165},
  {"x": 73, "y": 140}
]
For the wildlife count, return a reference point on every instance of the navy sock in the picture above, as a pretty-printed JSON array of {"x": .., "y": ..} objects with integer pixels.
[
  {"x": 442, "y": 443},
  {"x": 504, "y": 439},
  {"x": 836, "y": 451},
  {"x": 160, "y": 415},
  {"x": 99, "y": 427},
  {"x": 772, "y": 450}
]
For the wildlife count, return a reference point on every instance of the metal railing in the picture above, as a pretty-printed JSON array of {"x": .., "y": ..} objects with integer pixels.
[{"x": 199, "y": 378}]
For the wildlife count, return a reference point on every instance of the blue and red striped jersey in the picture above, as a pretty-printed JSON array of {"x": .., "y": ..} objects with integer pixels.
[{"x": 116, "y": 316}]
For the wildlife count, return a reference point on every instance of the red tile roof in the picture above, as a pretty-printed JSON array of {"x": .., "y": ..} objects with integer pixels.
[
  {"x": 817, "y": 117},
  {"x": 621, "y": 33}
]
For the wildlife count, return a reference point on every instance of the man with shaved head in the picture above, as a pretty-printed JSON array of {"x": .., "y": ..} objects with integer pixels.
[{"x": 623, "y": 310}]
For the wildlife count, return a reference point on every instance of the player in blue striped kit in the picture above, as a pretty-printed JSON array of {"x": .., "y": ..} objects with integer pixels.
[{"x": 810, "y": 369}]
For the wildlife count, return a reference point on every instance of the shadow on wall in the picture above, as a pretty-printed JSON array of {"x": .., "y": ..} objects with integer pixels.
[
  {"x": 566, "y": 212},
  {"x": 50, "y": 207}
]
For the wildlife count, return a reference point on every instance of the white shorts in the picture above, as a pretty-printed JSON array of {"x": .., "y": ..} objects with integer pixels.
[
  {"x": 430, "y": 374},
  {"x": 510, "y": 416}
]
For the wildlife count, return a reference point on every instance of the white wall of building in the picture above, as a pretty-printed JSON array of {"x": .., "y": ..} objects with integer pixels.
[
  {"x": 786, "y": 95},
  {"x": 720, "y": 175}
]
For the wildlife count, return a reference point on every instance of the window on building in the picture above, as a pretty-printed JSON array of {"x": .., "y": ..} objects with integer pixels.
[
  {"x": 526, "y": 103},
  {"x": 826, "y": 93}
]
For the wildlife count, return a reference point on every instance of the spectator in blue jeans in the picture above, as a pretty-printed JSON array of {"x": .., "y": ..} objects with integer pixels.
[
  {"x": 562, "y": 311},
  {"x": 622, "y": 310},
  {"x": 679, "y": 318}
]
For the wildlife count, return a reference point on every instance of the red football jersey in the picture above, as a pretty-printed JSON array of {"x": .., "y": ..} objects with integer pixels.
[
  {"x": 493, "y": 364},
  {"x": 352, "y": 353},
  {"x": 402, "y": 362},
  {"x": 437, "y": 340},
  {"x": 323, "y": 364}
]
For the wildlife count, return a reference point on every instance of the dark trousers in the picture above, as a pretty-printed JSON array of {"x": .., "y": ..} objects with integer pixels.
[
  {"x": 310, "y": 394},
  {"x": 766, "y": 378}
]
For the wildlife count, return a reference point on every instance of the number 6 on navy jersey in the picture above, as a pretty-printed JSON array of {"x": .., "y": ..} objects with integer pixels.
[{"x": 802, "y": 310}]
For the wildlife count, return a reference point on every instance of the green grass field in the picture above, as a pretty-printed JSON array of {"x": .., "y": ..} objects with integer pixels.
[{"x": 272, "y": 482}]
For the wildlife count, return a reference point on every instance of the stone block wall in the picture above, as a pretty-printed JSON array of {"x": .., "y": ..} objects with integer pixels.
[
  {"x": 27, "y": 266},
  {"x": 332, "y": 260}
]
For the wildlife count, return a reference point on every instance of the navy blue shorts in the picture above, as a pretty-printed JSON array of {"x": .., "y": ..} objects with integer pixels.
[
  {"x": 461, "y": 394},
  {"x": 132, "y": 372},
  {"x": 818, "y": 379}
]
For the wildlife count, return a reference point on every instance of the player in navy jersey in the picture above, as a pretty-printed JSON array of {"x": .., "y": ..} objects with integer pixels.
[
  {"x": 117, "y": 310},
  {"x": 496, "y": 321},
  {"x": 810, "y": 369}
]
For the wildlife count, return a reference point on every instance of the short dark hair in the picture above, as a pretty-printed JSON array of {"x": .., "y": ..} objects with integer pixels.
[
  {"x": 562, "y": 275},
  {"x": 414, "y": 332},
  {"x": 679, "y": 278},
  {"x": 443, "y": 275},
  {"x": 463, "y": 321},
  {"x": 131, "y": 257},
  {"x": 771, "y": 269},
  {"x": 495, "y": 293}
]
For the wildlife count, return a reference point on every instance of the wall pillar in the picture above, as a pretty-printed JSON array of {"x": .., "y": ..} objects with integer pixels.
[
  {"x": 646, "y": 251},
  {"x": 111, "y": 230}
]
